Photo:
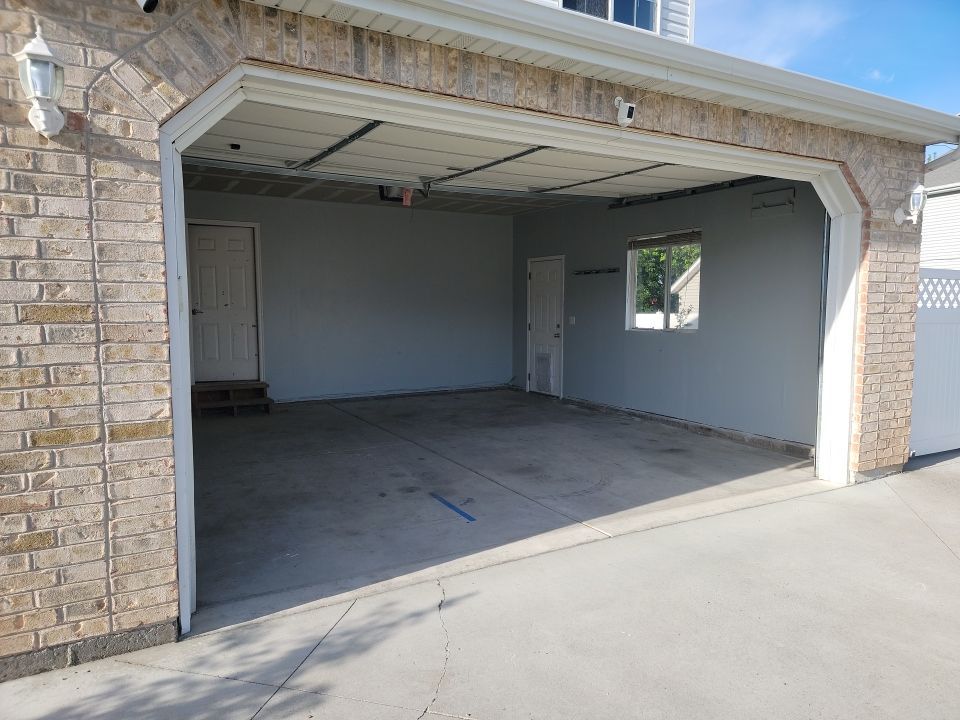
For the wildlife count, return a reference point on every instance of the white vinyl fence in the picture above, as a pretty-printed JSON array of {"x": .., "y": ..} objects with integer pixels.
[{"x": 936, "y": 389}]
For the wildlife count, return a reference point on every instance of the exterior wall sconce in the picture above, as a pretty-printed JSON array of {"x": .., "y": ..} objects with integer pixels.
[
  {"x": 41, "y": 76},
  {"x": 917, "y": 199}
]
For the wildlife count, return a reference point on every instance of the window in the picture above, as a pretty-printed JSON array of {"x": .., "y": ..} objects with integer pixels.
[
  {"x": 638, "y": 13},
  {"x": 663, "y": 288},
  {"x": 596, "y": 8}
]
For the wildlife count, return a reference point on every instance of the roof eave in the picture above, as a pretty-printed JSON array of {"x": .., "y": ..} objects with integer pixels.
[{"x": 546, "y": 29}]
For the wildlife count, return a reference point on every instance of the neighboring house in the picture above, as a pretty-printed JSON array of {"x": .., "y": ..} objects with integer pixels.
[
  {"x": 687, "y": 289},
  {"x": 365, "y": 197},
  {"x": 936, "y": 421},
  {"x": 940, "y": 249}
]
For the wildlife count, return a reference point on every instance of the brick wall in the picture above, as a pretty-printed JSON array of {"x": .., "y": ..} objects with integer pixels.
[{"x": 86, "y": 468}]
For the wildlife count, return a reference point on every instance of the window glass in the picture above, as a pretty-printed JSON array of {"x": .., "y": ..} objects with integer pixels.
[
  {"x": 651, "y": 270},
  {"x": 665, "y": 284},
  {"x": 684, "y": 286},
  {"x": 597, "y": 8},
  {"x": 639, "y": 13}
]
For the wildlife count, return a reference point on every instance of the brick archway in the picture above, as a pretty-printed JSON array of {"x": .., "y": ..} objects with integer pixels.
[{"x": 92, "y": 495}]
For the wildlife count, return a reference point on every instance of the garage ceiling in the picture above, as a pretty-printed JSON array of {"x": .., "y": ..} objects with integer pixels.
[{"x": 297, "y": 153}]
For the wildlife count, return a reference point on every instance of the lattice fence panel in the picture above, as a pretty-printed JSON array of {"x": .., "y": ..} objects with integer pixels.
[{"x": 939, "y": 293}]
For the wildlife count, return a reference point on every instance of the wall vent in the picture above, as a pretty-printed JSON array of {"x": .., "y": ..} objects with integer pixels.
[
  {"x": 462, "y": 42},
  {"x": 339, "y": 13}
]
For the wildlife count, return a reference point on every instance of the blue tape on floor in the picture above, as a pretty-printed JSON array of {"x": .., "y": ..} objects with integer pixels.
[{"x": 458, "y": 511}]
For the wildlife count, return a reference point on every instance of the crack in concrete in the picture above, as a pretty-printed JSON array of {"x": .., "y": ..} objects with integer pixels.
[
  {"x": 921, "y": 519},
  {"x": 446, "y": 650},
  {"x": 305, "y": 658}
]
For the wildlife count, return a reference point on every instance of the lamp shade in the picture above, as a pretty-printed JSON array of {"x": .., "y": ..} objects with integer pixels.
[
  {"x": 41, "y": 74},
  {"x": 918, "y": 198}
]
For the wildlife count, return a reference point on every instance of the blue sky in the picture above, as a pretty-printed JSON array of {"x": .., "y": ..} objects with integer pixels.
[{"x": 908, "y": 49}]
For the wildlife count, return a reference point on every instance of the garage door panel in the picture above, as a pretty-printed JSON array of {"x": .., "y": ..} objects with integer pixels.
[
  {"x": 697, "y": 176},
  {"x": 379, "y": 167},
  {"x": 541, "y": 175},
  {"x": 442, "y": 159},
  {"x": 273, "y": 117},
  {"x": 263, "y": 151},
  {"x": 305, "y": 143},
  {"x": 444, "y": 142},
  {"x": 581, "y": 161}
]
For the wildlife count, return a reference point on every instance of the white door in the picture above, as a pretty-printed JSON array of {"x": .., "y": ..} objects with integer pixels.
[
  {"x": 223, "y": 303},
  {"x": 935, "y": 426},
  {"x": 545, "y": 326}
]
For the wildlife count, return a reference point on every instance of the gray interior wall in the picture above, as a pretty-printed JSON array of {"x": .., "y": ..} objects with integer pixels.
[
  {"x": 752, "y": 365},
  {"x": 373, "y": 300}
]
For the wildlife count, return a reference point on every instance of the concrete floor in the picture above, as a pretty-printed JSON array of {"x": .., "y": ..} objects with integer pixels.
[
  {"x": 338, "y": 500},
  {"x": 842, "y": 604}
]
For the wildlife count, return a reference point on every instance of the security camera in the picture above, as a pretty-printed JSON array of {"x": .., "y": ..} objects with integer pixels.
[
  {"x": 148, "y": 6},
  {"x": 626, "y": 112}
]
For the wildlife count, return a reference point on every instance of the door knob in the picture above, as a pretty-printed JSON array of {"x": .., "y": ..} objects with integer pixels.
[
  {"x": 194, "y": 311},
  {"x": 556, "y": 334}
]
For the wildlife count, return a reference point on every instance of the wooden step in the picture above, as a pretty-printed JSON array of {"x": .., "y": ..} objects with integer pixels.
[
  {"x": 229, "y": 385},
  {"x": 229, "y": 394}
]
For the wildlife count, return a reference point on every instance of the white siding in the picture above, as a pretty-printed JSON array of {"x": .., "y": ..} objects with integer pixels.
[
  {"x": 941, "y": 233},
  {"x": 676, "y": 19}
]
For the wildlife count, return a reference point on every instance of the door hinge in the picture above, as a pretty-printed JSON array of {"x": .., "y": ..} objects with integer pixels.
[
  {"x": 529, "y": 276},
  {"x": 529, "y": 327}
]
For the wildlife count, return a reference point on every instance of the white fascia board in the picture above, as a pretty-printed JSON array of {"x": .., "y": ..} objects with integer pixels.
[
  {"x": 943, "y": 190},
  {"x": 589, "y": 40}
]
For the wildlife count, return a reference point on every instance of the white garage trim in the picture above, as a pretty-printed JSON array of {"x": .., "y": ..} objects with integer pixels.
[{"x": 379, "y": 102}]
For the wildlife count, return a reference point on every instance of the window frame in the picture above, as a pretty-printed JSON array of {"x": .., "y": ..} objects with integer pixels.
[
  {"x": 658, "y": 6},
  {"x": 668, "y": 240}
]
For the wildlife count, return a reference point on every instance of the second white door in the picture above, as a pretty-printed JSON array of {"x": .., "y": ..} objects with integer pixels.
[
  {"x": 545, "y": 326},
  {"x": 223, "y": 303}
]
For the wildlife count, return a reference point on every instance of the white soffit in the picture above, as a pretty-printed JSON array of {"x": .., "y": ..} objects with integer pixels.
[{"x": 545, "y": 36}]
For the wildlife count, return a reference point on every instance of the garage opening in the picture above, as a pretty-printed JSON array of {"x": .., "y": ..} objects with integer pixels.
[{"x": 417, "y": 351}]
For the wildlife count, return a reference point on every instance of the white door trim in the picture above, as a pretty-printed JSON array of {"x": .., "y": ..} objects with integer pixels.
[
  {"x": 323, "y": 93},
  {"x": 258, "y": 289},
  {"x": 563, "y": 306}
]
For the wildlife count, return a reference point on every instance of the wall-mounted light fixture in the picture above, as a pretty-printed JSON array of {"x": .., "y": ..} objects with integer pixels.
[
  {"x": 916, "y": 201},
  {"x": 41, "y": 76}
]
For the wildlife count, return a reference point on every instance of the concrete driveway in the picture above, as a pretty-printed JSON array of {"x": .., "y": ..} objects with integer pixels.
[{"x": 843, "y": 604}]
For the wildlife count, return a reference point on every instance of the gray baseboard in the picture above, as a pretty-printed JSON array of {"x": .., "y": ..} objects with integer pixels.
[
  {"x": 797, "y": 450},
  {"x": 81, "y": 651}
]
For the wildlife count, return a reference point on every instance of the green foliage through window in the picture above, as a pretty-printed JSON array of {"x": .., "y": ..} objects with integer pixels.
[{"x": 658, "y": 267}]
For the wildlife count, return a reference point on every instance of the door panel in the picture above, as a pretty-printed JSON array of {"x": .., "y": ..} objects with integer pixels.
[
  {"x": 223, "y": 303},
  {"x": 545, "y": 348}
]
